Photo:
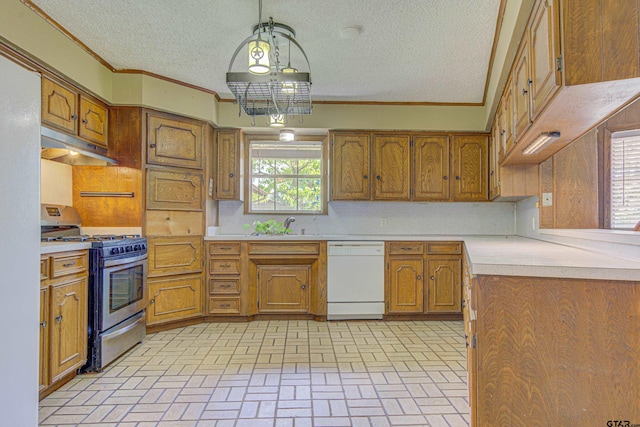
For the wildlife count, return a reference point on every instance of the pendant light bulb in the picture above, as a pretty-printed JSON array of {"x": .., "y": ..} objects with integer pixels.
[{"x": 276, "y": 120}]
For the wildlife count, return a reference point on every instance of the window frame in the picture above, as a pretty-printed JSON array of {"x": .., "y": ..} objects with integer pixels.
[
  {"x": 324, "y": 182},
  {"x": 608, "y": 136}
]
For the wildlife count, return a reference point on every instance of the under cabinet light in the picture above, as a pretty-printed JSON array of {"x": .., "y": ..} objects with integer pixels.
[{"x": 541, "y": 142}]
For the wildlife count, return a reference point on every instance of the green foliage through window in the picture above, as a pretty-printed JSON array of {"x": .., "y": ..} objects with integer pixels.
[{"x": 286, "y": 177}]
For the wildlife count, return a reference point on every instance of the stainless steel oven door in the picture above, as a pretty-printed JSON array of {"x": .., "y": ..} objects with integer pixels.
[{"x": 124, "y": 289}]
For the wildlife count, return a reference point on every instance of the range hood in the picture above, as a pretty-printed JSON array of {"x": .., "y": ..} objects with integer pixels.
[{"x": 55, "y": 146}]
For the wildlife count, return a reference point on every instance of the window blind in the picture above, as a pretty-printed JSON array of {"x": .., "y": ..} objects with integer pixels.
[{"x": 625, "y": 179}]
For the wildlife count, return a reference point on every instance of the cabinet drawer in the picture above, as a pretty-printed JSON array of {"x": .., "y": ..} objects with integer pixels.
[
  {"x": 224, "y": 266},
  {"x": 454, "y": 248},
  {"x": 224, "y": 305},
  {"x": 44, "y": 268},
  {"x": 269, "y": 248},
  {"x": 70, "y": 263},
  {"x": 174, "y": 255},
  {"x": 222, "y": 248},
  {"x": 224, "y": 286},
  {"x": 403, "y": 248}
]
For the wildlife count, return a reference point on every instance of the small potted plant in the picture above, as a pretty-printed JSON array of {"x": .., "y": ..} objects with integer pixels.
[{"x": 270, "y": 227}]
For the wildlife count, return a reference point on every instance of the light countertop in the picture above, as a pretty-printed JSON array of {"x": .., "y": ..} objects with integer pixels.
[
  {"x": 502, "y": 255},
  {"x": 51, "y": 247}
]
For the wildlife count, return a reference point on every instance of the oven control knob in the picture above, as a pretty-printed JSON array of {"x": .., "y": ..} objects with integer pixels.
[
  {"x": 128, "y": 249},
  {"x": 136, "y": 247},
  {"x": 114, "y": 251}
]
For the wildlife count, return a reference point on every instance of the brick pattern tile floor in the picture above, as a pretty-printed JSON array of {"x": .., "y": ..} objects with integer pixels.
[{"x": 277, "y": 374}]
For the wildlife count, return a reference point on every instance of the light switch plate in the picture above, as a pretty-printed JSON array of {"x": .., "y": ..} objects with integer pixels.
[{"x": 547, "y": 199}]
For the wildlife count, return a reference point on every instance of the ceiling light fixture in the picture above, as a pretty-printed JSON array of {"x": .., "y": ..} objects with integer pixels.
[
  {"x": 541, "y": 142},
  {"x": 276, "y": 120},
  {"x": 287, "y": 135},
  {"x": 266, "y": 87}
]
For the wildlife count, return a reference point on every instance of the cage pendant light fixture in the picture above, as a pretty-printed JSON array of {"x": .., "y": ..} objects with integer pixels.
[{"x": 266, "y": 87}]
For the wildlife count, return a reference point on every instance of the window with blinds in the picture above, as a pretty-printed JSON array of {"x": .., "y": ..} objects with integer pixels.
[
  {"x": 286, "y": 177},
  {"x": 625, "y": 179}
]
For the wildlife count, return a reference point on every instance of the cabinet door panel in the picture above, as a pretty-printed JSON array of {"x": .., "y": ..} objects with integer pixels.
[
  {"x": 180, "y": 191},
  {"x": 175, "y": 298},
  {"x": 405, "y": 286},
  {"x": 470, "y": 168},
  {"x": 283, "y": 289},
  {"x": 173, "y": 142},
  {"x": 59, "y": 106},
  {"x": 391, "y": 167},
  {"x": 507, "y": 119},
  {"x": 174, "y": 255},
  {"x": 445, "y": 289},
  {"x": 522, "y": 88},
  {"x": 228, "y": 165},
  {"x": 545, "y": 79},
  {"x": 431, "y": 176},
  {"x": 350, "y": 167},
  {"x": 93, "y": 121},
  {"x": 68, "y": 327}
]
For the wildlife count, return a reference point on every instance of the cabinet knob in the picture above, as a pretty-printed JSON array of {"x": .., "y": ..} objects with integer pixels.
[
  {"x": 378, "y": 177},
  {"x": 432, "y": 278},
  {"x": 152, "y": 300},
  {"x": 74, "y": 117},
  {"x": 529, "y": 82},
  {"x": 464, "y": 304},
  {"x": 43, "y": 324},
  {"x": 304, "y": 286},
  {"x": 85, "y": 121},
  {"x": 152, "y": 145},
  {"x": 502, "y": 132},
  {"x": 230, "y": 175},
  {"x": 59, "y": 319},
  {"x": 458, "y": 178},
  {"x": 524, "y": 91},
  {"x": 445, "y": 177},
  {"x": 366, "y": 177},
  {"x": 419, "y": 277},
  {"x": 492, "y": 172}
]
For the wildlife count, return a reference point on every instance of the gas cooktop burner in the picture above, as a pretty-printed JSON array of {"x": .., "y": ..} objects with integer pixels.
[{"x": 94, "y": 238}]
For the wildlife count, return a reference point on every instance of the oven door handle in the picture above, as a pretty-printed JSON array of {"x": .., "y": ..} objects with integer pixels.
[
  {"x": 124, "y": 261},
  {"x": 134, "y": 322}
]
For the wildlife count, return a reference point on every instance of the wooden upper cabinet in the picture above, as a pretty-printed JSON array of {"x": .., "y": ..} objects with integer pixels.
[
  {"x": 470, "y": 157},
  {"x": 507, "y": 130},
  {"x": 174, "y": 141},
  {"x": 494, "y": 154},
  {"x": 227, "y": 170},
  {"x": 431, "y": 172},
  {"x": 283, "y": 288},
  {"x": 391, "y": 172},
  {"x": 405, "y": 288},
  {"x": 93, "y": 121},
  {"x": 73, "y": 112},
  {"x": 169, "y": 190},
  {"x": 444, "y": 289},
  {"x": 350, "y": 167},
  {"x": 59, "y": 106},
  {"x": 522, "y": 86},
  {"x": 544, "y": 39}
]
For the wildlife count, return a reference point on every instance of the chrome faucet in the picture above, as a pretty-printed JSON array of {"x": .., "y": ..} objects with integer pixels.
[{"x": 288, "y": 221}]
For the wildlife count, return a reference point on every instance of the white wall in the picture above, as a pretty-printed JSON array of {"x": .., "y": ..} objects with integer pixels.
[
  {"x": 56, "y": 183},
  {"x": 20, "y": 248},
  {"x": 402, "y": 218}
]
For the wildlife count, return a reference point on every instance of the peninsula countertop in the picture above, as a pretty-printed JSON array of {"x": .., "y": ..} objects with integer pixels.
[{"x": 500, "y": 255}]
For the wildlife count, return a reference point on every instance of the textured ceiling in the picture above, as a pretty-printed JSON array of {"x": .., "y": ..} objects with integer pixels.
[{"x": 408, "y": 51}]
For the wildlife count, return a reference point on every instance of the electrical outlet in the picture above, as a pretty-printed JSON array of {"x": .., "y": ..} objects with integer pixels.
[
  {"x": 210, "y": 187},
  {"x": 547, "y": 199},
  {"x": 533, "y": 223},
  {"x": 383, "y": 222}
]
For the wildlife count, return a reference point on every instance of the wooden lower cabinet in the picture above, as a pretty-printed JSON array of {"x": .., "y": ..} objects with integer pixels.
[
  {"x": 68, "y": 327},
  {"x": 444, "y": 294},
  {"x": 423, "y": 278},
  {"x": 405, "y": 293},
  {"x": 174, "y": 255},
  {"x": 43, "y": 372},
  {"x": 283, "y": 288},
  {"x": 63, "y": 318},
  {"x": 174, "y": 298}
]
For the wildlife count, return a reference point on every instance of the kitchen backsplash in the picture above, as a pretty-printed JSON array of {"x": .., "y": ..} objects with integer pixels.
[
  {"x": 386, "y": 218},
  {"x": 55, "y": 183}
]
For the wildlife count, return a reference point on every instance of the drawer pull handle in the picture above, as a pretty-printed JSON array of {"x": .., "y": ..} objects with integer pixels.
[
  {"x": 227, "y": 265},
  {"x": 68, "y": 264},
  {"x": 43, "y": 324},
  {"x": 225, "y": 248},
  {"x": 225, "y": 305},
  {"x": 59, "y": 319},
  {"x": 405, "y": 248},
  {"x": 226, "y": 285}
]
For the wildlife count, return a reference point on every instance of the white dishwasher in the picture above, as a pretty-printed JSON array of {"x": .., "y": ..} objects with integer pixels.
[{"x": 355, "y": 280}]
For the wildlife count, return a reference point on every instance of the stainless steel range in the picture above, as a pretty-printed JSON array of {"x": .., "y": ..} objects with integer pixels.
[{"x": 117, "y": 285}]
